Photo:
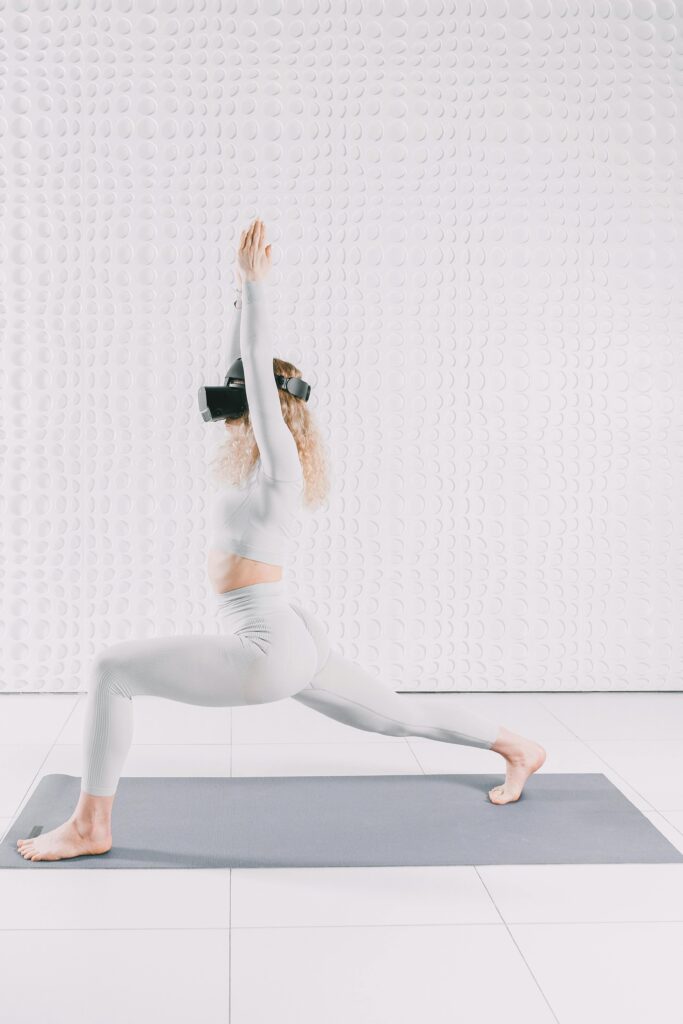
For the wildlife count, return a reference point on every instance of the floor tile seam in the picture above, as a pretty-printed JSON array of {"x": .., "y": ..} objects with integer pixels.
[
  {"x": 503, "y": 923},
  {"x": 513, "y": 939}
]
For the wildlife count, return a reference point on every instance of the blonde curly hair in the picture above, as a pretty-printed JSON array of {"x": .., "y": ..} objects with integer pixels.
[{"x": 237, "y": 457}]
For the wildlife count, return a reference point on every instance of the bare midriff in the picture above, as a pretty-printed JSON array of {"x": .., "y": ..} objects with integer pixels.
[{"x": 228, "y": 571}]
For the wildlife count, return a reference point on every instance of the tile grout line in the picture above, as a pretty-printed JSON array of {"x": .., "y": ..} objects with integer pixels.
[
  {"x": 412, "y": 751},
  {"x": 329, "y": 927},
  {"x": 586, "y": 743},
  {"x": 516, "y": 944},
  {"x": 452, "y": 924},
  {"x": 19, "y": 807},
  {"x": 408, "y": 924}
]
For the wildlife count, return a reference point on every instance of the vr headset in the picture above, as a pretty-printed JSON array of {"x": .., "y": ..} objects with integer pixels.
[{"x": 230, "y": 401}]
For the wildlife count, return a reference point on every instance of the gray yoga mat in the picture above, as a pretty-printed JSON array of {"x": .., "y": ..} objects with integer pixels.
[{"x": 350, "y": 821}]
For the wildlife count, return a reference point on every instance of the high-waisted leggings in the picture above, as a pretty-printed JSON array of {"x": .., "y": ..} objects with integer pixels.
[{"x": 269, "y": 648}]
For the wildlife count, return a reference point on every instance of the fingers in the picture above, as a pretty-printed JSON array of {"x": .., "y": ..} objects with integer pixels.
[
  {"x": 252, "y": 242},
  {"x": 255, "y": 232},
  {"x": 257, "y": 235}
]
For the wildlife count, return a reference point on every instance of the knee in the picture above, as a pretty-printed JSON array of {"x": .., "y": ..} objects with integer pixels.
[{"x": 108, "y": 671}]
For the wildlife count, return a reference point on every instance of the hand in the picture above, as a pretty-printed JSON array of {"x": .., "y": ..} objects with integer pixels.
[{"x": 254, "y": 257}]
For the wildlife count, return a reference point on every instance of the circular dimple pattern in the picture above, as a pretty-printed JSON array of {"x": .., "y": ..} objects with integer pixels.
[{"x": 476, "y": 221}]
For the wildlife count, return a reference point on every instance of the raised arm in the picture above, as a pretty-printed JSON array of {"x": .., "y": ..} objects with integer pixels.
[
  {"x": 277, "y": 447},
  {"x": 234, "y": 330}
]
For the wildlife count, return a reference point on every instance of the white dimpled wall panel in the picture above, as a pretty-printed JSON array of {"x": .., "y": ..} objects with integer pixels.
[{"x": 476, "y": 218}]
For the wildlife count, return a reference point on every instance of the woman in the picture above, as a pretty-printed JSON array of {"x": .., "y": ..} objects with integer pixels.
[{"x": 271, "y": 647}]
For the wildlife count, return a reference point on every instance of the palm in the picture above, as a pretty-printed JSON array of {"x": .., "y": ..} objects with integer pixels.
[{"x": 254, "y": 256}]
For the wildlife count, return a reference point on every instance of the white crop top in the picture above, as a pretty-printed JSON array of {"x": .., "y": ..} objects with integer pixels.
[{"x": 257, "y": 520}]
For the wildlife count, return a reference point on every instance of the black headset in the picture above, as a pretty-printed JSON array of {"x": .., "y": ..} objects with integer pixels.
[{"x": 229, "y": 402}]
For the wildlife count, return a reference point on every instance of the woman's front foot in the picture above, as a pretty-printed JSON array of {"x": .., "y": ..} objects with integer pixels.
[
  {"x": 72, "y": 839},
  {"x": 523, "y": 757},
  {"x": 88, "y": 830}
]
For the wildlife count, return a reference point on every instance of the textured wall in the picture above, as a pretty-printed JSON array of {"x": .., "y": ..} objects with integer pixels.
[{"x": 476, "y": 216}]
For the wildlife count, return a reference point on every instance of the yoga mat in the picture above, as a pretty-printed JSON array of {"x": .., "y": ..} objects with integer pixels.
[{"x": 350, "y": 821}]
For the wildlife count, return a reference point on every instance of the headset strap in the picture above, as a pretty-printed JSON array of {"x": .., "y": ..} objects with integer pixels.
[{"x": 294, "y": 385}]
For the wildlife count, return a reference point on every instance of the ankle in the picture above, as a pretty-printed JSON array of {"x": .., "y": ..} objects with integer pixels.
[
  {"x": 87, "y": 824},
  {"x": 509, "y": 744},
  {"x": 502, "y": 739}
]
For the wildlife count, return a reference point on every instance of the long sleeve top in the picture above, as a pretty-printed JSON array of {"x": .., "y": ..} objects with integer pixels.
[{"x": 258, "y": 521}]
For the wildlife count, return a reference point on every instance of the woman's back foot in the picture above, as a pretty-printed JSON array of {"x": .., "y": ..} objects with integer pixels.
[
  {"x": 71, "y": 839},
  {"x": 523, "y": 757}
]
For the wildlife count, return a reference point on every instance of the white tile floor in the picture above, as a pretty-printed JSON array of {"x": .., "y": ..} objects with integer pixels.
[{"x": 568, "y": 944}]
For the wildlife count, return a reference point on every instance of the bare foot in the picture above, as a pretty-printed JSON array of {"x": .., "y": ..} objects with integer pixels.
[
  {"x": 72, "y": 839},
  {"x": 524, "y": 757}
]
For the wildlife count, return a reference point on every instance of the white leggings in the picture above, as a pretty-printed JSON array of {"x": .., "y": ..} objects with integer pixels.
[{"x": 271, "y": 649}]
